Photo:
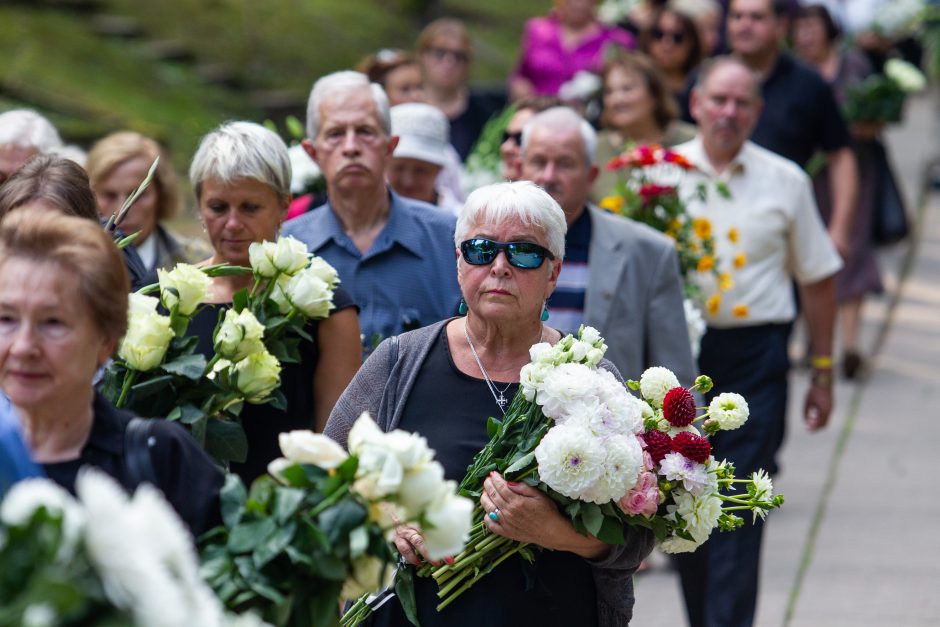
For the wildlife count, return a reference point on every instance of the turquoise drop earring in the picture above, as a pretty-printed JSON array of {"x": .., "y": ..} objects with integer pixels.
[{"x": 462, "y": 308}]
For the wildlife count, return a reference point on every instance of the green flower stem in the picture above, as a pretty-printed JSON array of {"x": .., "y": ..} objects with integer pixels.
[
  {"x": 129, "y": 377},
  {"x": 212, "y": 362},
  {"x": 355, "y": 614},
  {"x": 466, "y": 558},
  {"x": 340, "y": 492},
  {"x": 479, "y": 576}
]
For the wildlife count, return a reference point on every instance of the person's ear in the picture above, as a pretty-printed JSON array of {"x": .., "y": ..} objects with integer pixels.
[{"x": 310, "y": 150}]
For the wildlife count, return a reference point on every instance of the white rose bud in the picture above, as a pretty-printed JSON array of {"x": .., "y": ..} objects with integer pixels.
[
  {"x": 320, "y": 268},
  {"x": 590, "y": 335},
  {"x": 906, "y": 75},
  {"x": 419, "y": 487},
  {"x": 139, "y": 303},
  {"x": 190, "y": 283},
  {"x": 310, "y": 295},
  {"x": 286, "y": 256},
  {"x": 449, "y": 520},
  {"x": 257, "y": 375},
  {"x": 364, "y": 431},
  {"x": 307, "y": 447},
  {"x": 239, "y": 336},
  {"x": 147, "y": 339}
]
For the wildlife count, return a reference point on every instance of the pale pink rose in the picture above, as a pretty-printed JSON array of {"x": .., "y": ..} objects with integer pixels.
[
  {"x": 647, "y": 459},
  {"x": 646, "y": 481}
]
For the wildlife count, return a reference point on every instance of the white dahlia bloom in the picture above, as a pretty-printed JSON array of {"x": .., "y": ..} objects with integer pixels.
[
  {"x": 675, "y": 544},
  {"x": 677, "y": 467},
  {"x": 729, "y": 410},
  {"x": 655, "y": 383},
  {"x": 27, "y": 496},
  {"x": 699, "y": 513},
  {"x": 623, "y": 461},
  {"x": 570, "y": 460},
  {"x": 563, "y": 385}
]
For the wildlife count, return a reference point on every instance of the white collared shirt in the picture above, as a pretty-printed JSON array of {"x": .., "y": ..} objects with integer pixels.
[{"x": 780, "y": 232}]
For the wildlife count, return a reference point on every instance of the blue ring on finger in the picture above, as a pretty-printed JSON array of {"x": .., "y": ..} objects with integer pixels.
[{"x": 494, "y": 515}]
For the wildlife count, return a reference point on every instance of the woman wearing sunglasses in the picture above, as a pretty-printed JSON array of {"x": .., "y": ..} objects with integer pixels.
[
  {"x": 443, "y": 381},
  {"x": 674, "y": 45}
]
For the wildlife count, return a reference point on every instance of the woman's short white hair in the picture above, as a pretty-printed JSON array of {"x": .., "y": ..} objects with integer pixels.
[
  {"x": 24, "y": 128},
  {"x": 340, "y": 82},
  {"x": 242, "y": 150},
  {"x": 521, "y": 200},
  {"x": 562, "y": 119}
]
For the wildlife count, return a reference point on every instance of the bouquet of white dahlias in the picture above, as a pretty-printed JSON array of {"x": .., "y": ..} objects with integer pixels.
[
  {"x": 158, "y": 372},
  {"x": 318, "y": 529},
  {"x": 577, "y": 433},
  {"x": 101, "y": 559}
]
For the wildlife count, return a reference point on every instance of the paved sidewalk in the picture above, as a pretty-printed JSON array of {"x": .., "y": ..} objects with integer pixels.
[{"x": 856, "y": 542}]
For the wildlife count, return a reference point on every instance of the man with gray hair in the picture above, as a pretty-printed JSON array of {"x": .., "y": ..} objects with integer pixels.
[
  {"x": 23, "y": 135},
  {"x": 782, "y": 238},
  {"x": 393, "y": 254},
  {"x": 619, "y": 276}
]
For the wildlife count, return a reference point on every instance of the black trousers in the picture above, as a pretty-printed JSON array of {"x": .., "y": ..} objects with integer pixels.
[{"x": 720, "y": 580}]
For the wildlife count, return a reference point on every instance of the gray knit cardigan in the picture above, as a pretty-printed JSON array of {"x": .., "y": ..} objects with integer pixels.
[{"x": 382, "y": 386}]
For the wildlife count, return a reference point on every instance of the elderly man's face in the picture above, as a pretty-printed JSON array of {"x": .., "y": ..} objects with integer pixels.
[
  {"x": 726, "y": 108},
  {"x": 555, "y": 160},
  {"x": 12, "y": 158},
  {"x": 351, "y": 147},
  {"x": 753, "y": 28}
]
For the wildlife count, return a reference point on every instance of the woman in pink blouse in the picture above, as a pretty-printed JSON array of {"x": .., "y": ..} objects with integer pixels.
[{"x": 556, "y": 47}]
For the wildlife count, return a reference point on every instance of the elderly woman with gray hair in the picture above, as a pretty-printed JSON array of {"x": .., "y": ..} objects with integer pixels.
[
  {"x": 444, "y": 380},
  {"x": 241, "y": 176}
]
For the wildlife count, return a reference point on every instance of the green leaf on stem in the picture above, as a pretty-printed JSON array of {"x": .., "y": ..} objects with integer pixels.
[
  {"x": 232, "y": 499},
  {"x": 286, "y": 503},
  {"x": 592, "y": 517},
  {"x": 520, "y": 463},
  {"x": 492, "y": 426},
  {"x": 240, "y": 300},
  {"x": 186, "y": 413},
  {"x": 405, "y": 590},
  {"x": 146, "y": 389},
  {"x": 246, "y": 537},
  {"x": 226, "y": 440},
  {"x": 189, "y": 366}
]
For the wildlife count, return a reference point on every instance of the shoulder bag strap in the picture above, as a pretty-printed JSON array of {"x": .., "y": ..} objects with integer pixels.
[{"x": 138, "y": 465}]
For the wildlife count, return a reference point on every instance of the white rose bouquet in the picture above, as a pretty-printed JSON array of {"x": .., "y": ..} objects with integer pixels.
[
  {"x": 158, "y": 373},
  {"x": 577, "y": 433},
  {"x": 100, "y": 559},
  {"x": 317, "y": 530},
  {"x": 880, "y": 97}
]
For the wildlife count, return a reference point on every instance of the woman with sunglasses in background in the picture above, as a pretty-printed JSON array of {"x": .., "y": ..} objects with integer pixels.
[
  {"x": 672, "y": 41},
  {"x": 510, "y": 241},
  {"x": 556, "y": 47}
]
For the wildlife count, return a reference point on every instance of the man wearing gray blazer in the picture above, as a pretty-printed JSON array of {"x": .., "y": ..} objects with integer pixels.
[{"x": 619, "y": 276}]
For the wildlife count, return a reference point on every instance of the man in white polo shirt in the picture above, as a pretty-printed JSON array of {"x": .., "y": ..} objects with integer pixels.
[{"x": 781, "y": 237}]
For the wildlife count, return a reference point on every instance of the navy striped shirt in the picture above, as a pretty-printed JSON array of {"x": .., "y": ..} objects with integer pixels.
[{"x": 566, "y": 304}]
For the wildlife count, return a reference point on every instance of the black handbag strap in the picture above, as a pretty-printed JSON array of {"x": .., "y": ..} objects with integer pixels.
[{"x": 138, "y": 464}]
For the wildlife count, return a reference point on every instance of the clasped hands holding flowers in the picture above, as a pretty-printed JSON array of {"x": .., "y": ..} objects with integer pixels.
[{"x": 523, "y": 513}]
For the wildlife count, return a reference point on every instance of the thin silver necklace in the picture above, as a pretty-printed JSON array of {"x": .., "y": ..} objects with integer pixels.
[{"x": 500, "y": 398}]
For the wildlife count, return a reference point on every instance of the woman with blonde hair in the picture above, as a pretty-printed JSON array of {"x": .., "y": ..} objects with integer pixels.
[{"x": 116, "y": 166}]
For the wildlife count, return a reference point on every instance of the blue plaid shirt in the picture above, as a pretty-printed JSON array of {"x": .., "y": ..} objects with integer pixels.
[{"x": 408, "y": 279}]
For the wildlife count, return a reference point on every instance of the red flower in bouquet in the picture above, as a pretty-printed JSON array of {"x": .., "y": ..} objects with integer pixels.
[
  {"x": 676, "y": 159},
  {"x": 658, "y": 445},
  {"x": 695, "y": 447},
  {"x": 679, "y": 407}
]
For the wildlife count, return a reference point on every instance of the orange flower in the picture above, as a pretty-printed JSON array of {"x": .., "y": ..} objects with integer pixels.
[
  {"x": 739, "y": 311},
  {"x": 706, "y": 263},
  {"x": 725, "y": 282},
  {"x": 612, "y": 203},
  {"x": 702, "y": 228},
  {"x": 713, "y": 304},
  {"x": 677, "y": 159},
  {"x": 740, "y": 259},
  {"x": 733, "y": 235}
]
